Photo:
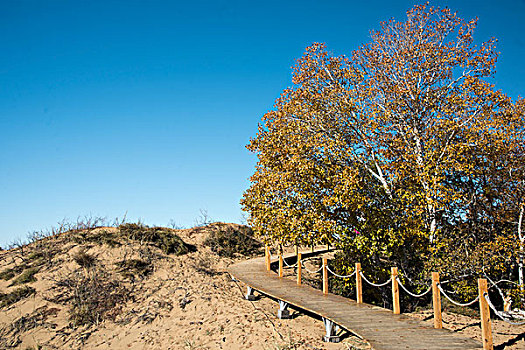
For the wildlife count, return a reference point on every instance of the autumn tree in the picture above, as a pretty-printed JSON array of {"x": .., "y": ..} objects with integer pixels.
[{"x": 395, "y": 150}]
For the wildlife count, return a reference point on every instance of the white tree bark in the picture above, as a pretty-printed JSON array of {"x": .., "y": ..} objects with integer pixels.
[{"x": 522, "y": 248}]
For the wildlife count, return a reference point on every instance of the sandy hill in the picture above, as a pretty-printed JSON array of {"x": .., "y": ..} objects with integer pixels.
[{"x": 134, "y": 287}]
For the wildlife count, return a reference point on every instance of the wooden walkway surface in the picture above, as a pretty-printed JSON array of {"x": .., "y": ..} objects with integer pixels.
[{"x": 379, "y": 326}]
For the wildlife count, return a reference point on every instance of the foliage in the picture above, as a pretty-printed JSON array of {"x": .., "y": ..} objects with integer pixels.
[
  {"x": 93, "y": 297},
  {"x": 163, "y": 238},
  {"x": 27, "y": 276},
  {"x": 227, "y": 240},
  {"x": 84, "y": 259},
  {"x": 11, "y": 272},
  {"x": 376, "y": 262},
  {"x": 15, "y": 296},
  {"x": 132, "y": 268},
  {"x": 402, "y": 153},
  {"x": 106, "y": 237}
]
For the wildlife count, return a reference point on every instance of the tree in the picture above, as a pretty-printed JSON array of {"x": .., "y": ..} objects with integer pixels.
[{"x": 399, "y": 148}]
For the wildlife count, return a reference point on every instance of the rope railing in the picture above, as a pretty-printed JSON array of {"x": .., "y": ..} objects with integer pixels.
[
  {"x": 340, "y": 276},
  {"x": 413, "y": 294},
  {"x": 501, "y": 314},
  {"x": 504, "y": 281},
  {"x": 455, "y": 302},
  {"x": 375, "y": 284},
  {"x": 293, "y": 265},
  {"x": 316, "y": 271},
  {"x": 485, "y": 303}
]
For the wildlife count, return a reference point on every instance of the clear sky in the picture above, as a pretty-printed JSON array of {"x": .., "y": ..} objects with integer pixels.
[{"x": 145, "y": 107}]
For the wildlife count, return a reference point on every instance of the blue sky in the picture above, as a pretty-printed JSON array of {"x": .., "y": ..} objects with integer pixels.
[{"x": 145, "y": 107}]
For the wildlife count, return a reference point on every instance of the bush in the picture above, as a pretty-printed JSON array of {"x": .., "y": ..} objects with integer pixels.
[
  {"x": 7, "y": 274},
  {"x": 163, "y": 238},
  {"x": 93, "y": 297},
  {"x": 134, "y": 267},
  {"x": 97, "y": 237},
  {"x": 84, "y": 259},
  {"x": 227, "y": 241},
  {"x": 37, "y": 258},
  {"x": 27, "y": 276},
  {"x": 15, "y": 296},
  {"x": 11, "y": 272}
]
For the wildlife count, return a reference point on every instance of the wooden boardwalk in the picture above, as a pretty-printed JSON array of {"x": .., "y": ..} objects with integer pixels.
[{"x": 379, "y": 326}]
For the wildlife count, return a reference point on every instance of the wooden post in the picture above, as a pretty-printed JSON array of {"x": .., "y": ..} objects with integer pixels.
[
  {"x": 299, "y": 269},
  {"x": 395, "y": 292},
  {"x": 325, "y": 276},
  {"x": 268, "y": 259},
  {"x": 486, "y": 325},
  {"x": 266, "y": 256},
  {"x": 281, "y": 265},
  {"x": 358, "y": 283},
  {"x": 436, "y": 301}
]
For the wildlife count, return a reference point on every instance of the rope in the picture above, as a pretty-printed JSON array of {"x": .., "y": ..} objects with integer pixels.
[
  {"x": 374, "y": 284},
  {"x": 499, "y": 313},
  {"x": 316, "y": 271},
  {"x": 410, "y": 293},
  {"x": 503, "y": 281},
  {"x": 335, "y": 274},
  {"x": 284, "y": 260},
  {"x": 459, "y": 278},
  {"x": 455, "y": 302}
]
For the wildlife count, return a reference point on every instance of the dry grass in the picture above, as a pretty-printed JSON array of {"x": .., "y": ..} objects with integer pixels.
[
  {"x": 84, "y": 259},
  {"x": 27, "y": 276},
  {"x": 133, "y": 268},
  {"x": 92, "y": 296},
  {"x": 7, "y": 299},
  {"x": 228, "y": 241}
]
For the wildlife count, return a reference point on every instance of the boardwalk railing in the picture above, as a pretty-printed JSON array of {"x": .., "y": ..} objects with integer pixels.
[{"x": 483, "y": 299}]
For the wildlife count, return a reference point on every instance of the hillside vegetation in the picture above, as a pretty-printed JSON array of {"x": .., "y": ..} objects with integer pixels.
[{"x": 138, "y": 287}]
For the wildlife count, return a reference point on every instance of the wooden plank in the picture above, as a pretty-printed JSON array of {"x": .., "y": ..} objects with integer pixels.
[{"x": 382, "y": 329}]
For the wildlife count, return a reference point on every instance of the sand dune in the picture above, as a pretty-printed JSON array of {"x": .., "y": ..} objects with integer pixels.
[{"x": 149, "y": 299}]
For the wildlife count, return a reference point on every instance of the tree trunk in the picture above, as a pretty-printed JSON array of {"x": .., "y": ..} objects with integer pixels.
[
  {"x": 522, "y": 248},
  {"x": 432, "y": 229}
]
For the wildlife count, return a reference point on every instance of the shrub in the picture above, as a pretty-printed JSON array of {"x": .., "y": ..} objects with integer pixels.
[
  {"x": 36, "y": 257},
  {"x": 163, "y": 238},
  {"x": 134, "y": 267},
  {"x": 84, "y": 259},
  {"x": 93, "y": 297},
  {"x": 7, "y": 274},
  {"x": 27, "y": 276},
  {"x": 98, "y": 237},
  {"x": 43, "y": 252},
  {"x": 15, "y": 296},
  {"x": 227, "y": 241},
  {"x": 11, "y": 272}
]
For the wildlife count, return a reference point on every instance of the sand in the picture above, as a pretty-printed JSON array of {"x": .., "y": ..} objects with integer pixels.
[{"x": 187, "y": 302}]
